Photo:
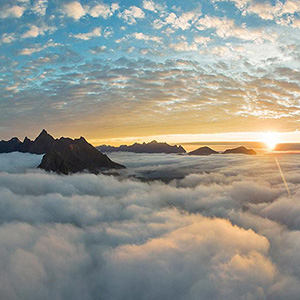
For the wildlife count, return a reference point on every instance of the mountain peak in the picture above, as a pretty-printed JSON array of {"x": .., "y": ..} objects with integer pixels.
[
  {"x": 43, "y": 133},
  {"x": 203, "y": 151},
  {"x": 240, "y": 150}
]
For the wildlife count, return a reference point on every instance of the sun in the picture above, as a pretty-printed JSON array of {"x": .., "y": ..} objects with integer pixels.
[{"x": 270, "y": 139}]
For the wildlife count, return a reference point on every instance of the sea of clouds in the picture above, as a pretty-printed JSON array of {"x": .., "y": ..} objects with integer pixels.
[{"x": 217, "y": 227}]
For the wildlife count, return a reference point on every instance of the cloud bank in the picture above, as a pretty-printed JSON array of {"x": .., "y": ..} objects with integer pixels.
[{"x": 224, "y": 230}]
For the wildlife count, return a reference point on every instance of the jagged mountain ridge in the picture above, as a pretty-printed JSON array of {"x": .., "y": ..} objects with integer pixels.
[
  {"x": 62, "y": 155},
  {"x": 152, "y": 147},
  {"x": 43, "y": 143}
]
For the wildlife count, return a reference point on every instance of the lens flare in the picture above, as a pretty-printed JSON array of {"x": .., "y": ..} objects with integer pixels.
[{"x": 270, "y": 139}]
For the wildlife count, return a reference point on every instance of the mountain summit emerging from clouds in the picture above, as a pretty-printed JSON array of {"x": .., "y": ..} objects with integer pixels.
[{"x": 63, "y": 155}]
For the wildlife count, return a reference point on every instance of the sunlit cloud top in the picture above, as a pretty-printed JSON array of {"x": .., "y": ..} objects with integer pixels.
[{"x": 115, "y": 69}]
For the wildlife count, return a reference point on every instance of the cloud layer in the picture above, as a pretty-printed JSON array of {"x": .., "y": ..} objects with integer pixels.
[{"x": 225, "y": 230}]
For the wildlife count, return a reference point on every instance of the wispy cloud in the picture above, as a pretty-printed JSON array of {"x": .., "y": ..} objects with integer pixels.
[{"x": 96, "y": 32}]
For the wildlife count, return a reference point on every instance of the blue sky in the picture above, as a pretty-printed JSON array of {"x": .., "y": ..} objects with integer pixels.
[{"x": 121, "y": 69}]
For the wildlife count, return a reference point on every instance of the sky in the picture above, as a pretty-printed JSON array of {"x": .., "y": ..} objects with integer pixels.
[{"x": 116, "y": 71}]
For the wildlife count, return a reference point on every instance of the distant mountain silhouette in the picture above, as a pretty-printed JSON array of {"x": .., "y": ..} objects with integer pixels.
[
  {"x": 240, "y": 150},
  {"x": 152, "y": 147},
  {"x": 62, "y": 155},
  {"x": 287, "y": 147},
  {"x": 203, "y": 151}
]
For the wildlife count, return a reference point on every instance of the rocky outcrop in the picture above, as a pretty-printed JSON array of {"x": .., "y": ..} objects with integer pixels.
[
  {"x": 152, "y": 147},
  {"x": 72, "y": 156},
  {"x": 203, "y": 151},
  {"x": 240, "y": 150}
]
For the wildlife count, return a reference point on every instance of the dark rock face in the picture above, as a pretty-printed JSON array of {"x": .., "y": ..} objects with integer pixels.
[
  {"x": 42, "y": 144},
  {"x": 152, "y": 147},
  {"x": 72, "y": 156},
  {"x": 26, "y": 145},
  {"x": 240, "y": 150},
  {"x": 63, "y": 155},
  {"x": 203, "y": 151},
  {"x": 10, "y": 146}
]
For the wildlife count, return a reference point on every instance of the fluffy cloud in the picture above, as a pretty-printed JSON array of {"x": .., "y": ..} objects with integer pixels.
[
  {"x": 215, "y": 234},
  {"x": 152, "y": 6},
  {"x": 184, "y": 21},
  {"x": 35, "y": 31},
  {"x": 202, "y": 40},
  {"x": 74, "y": 10},
  {"x": 12, "y": 12},
  {"x": 131, "y": 14},
  {"x": 103, "y": 10}
]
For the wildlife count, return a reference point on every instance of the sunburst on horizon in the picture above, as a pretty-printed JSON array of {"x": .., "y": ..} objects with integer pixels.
[{"x": 270, "y": 139}]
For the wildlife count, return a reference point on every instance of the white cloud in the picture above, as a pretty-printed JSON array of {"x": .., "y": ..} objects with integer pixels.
[
  {"x": 38, "y": 48},
  {"x": 278, "y": 11},
  {"x": 103, "y": 10},
  {"x": 291, "y": 7},
  {"x": 227, "y": 28},
  {"x": 40, "y": 7},
  {"x": 35, "y": 31},
  {"x": 184, "y": 21},
  {"x": 100, "y": 10},
  {"x": 96, "y": 32},
  {"x": 18, "y": 162},
  {"x": 74, "y": 10},
  {"x": 265, "y": 11},
  {"x": 149, "y": 5},
  {"x": 12, "y": 12},
  {"x": 202, "y": 40},
  {"x": 152, "y": 6},
  {"x": 142, "y": 36},
  {"x": 8, "y": 38},
  {"x": 184, "y": 46},
  {"x": 158, "y": 24},
  {"x": 131, "y": 14}
]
